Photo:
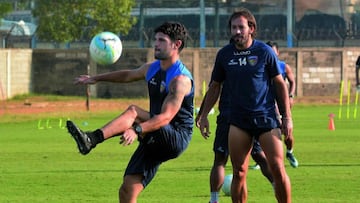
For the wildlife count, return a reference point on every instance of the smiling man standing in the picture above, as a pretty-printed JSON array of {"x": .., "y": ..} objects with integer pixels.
[{"x": 250, "y": 69}]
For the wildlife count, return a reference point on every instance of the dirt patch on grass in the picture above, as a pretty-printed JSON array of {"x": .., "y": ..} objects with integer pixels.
[
  {"x": 35, "y": 106},
  {"x": 42, "y": 105}
]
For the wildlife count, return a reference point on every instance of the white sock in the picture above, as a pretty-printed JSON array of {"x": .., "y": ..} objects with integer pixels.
[
  {"x": 290, "y": 151},
  {"x": 214, "y": 197}
]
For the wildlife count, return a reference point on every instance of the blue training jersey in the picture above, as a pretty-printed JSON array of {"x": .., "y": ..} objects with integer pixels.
[
  {"x": 158, "y": 85},
  {"x": 248, "y": 76},
  {"x": 282, "y": 66}
]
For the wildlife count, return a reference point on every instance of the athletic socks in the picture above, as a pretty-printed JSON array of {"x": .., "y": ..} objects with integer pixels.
[
  {"x": 96, "y": 137},
  {"x": 214, "y": 197}
]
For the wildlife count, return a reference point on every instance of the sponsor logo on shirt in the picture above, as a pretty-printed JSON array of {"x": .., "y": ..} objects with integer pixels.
[
  {"x": 241, "y": 53},
  {"x": 232, "y": 62},
  {"x": 152, "y": 81}
]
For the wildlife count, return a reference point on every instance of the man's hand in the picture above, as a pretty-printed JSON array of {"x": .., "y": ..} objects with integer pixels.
[
  {"x": 287, "y": 127},
  {"x": 291, "y": 100},
  {"x": 84, "y": 79},
  {"x": 128, "y": 137},
  {"x": 203, "y": 124}
]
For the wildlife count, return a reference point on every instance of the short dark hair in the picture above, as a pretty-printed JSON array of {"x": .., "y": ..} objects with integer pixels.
[
  {"x": 248, "y": 15},
  {"x": 175, "y": 30},
  {"x": 273, "y": 44}
]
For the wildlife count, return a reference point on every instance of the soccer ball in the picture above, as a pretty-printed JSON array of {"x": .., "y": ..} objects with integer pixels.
[
  {"x": 105, "y": 48},
  {"x": 226, "y": 187}
]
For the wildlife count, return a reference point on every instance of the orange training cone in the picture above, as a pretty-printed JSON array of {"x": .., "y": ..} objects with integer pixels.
[{"x": 331, "y": 122}]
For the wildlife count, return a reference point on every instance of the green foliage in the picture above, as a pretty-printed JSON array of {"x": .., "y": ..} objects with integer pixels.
[
  {"x": 5, "y": 7},
  {"x": 44, "y": 165},
  {"x": 71, "y": 20}
]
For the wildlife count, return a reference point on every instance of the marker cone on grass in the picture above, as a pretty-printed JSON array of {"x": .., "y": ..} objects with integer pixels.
[{"x": 331, "y": 122}]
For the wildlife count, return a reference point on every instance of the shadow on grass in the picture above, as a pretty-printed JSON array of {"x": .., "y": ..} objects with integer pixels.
[{"x": 329, "y": 165}]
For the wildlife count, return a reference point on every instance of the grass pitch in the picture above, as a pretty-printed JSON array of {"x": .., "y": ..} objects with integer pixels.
[{"x": 43, "y": 165}]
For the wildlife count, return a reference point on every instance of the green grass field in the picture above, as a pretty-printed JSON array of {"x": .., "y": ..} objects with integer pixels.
[{"x": 43, "y": 165}]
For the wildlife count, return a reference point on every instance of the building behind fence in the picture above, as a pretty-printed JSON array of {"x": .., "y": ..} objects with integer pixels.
[{"x": 326, "y": 36}]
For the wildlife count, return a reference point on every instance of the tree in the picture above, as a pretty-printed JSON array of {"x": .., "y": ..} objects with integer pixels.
[
  {"x": 73, "y": 20},
  {"x": 5, "y": 7}
]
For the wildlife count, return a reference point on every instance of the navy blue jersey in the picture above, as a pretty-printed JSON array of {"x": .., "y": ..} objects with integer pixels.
[
  {"x": 248, "y": 76},
  {"x": 224, "y": 103},
  {"x": 159, "y": 79}
]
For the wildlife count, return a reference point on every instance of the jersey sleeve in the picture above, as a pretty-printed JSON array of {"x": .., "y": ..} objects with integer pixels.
[{"x": 218, "y": 73}]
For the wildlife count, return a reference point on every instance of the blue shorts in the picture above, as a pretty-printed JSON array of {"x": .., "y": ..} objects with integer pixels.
[
  {"x": 256, "y": 147},
  {"x": 221, "y": 138},
  {"x": 157, "y": 147},
  {"x": 256, "y": 126}
]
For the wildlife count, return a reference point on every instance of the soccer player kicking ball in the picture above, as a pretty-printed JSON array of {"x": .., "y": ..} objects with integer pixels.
[{"x": 164, "y": 132}]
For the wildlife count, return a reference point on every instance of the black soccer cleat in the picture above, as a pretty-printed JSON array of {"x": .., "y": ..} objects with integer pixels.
[{"x": 81, "y": 138}]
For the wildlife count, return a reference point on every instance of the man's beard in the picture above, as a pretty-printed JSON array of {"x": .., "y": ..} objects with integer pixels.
[
  {"x": 239, "y": 41},
  {"x": 161, "y": 56}
]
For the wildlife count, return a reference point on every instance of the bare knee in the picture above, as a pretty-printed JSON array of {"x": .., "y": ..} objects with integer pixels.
[
  {"x": 239, "y": 172},
  {"x": 132, "y": 109},
  {"x": 123, "y": 193},
  {"x": 278, "y": 170},
  {"x": 130, "y": 189},
  {"x": 137, "y": 113},
  {"x": 126, "y": 194}
]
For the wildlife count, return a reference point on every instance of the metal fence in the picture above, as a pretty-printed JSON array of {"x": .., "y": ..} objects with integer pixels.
[{"x": 331, "y": 23}]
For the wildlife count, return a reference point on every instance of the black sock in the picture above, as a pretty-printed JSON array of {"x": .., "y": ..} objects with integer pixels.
[{"x": 97, "y": 136}]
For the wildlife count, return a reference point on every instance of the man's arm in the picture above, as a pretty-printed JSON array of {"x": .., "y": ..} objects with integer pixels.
[
  {"x": 292, "y": 84},
  {"x": 120, "y": 76},
  {"x": 207, "y": 104},
  {"x": 179, "y": 87},
  {"x": 201, "y": 107},
  {"x": 282, "y": 99}
]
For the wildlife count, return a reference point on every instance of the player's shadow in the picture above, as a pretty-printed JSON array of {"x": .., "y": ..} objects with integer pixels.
[{"x": 329, "y": 164}]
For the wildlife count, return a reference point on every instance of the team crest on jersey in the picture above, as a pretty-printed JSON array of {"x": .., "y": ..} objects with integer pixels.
[
  {"x": 252, "y": 60},
  {"x": 162, "y": 86}
]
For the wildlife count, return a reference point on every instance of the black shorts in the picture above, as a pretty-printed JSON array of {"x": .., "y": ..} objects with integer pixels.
[
  {"x": 157, "y": 147},
  {"x": 256, "y": 147},
  {"x": 222, "y": 133},
  {"x": 256, "y": 126}
]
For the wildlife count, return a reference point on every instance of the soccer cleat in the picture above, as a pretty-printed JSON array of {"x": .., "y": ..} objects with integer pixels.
[
  {"x": 255, "y": 167},
  {"x": 293, "y": 162},
  {"x": 81, "y": 138}
]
